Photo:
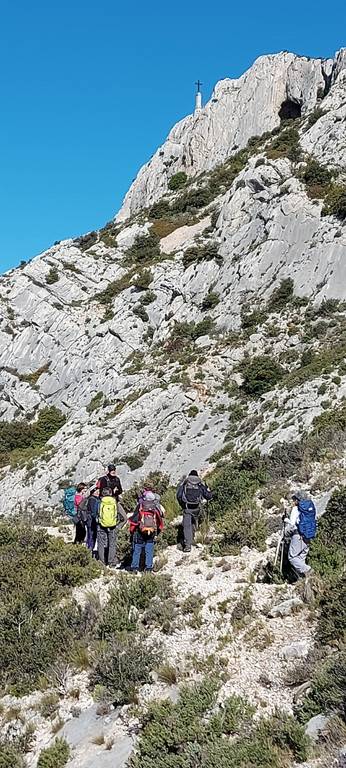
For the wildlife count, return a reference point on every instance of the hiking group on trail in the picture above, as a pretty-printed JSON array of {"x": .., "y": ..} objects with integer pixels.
[{"x": 98, "y": 515}]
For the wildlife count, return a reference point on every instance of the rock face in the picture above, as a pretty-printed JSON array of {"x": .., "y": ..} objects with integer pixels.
[
  {"x": 237, "y": 110},
  {"x": 79, "y": 332}
]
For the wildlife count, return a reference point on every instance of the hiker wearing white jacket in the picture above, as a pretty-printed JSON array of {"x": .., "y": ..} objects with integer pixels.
[{"x": 302, "y": 526}]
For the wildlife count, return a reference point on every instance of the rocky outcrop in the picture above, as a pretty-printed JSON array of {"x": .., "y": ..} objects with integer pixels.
[{"x": 238, "y": 109}]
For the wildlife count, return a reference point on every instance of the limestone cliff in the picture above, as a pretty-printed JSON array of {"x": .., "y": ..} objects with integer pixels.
[{"x": 138, "y": 333}]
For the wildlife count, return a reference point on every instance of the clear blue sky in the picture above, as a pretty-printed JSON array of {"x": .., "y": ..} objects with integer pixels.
[{"x": 90, "y": 88}]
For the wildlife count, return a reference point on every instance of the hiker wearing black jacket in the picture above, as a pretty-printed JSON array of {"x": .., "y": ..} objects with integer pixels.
[
  {"x": 110, "y": 481},
  {"x": 190, "y": 494}
]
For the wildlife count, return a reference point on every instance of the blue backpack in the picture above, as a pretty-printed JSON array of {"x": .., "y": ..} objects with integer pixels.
[
  {"x": 68, "y": 501},
  {"x": 307, "y": 525}
]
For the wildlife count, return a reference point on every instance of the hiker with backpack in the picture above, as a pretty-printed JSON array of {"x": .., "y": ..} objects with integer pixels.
[
  {"x": 303, "y": 528},
  {"x": 73, "y": 498},
  {"x": 111, "y": 517},
  {"x": 190, "y": 494},
  {"x": 93, "y": 507},
  {"x": 145, "y": 525},
  {"x": 81, "y": 503},
  {"x": 110, "y": 481}
]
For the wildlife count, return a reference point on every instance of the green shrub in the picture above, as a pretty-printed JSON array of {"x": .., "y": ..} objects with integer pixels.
[
  {"x": 16, "y": 436},
  {"x": 281, "y": 296},
  {"x": 316, "y": 177},
  {"x": 335, "y": 202},
  {"x": 9, "y": 756},
  {"x": 114, "y": 288},
  {"x": 314, "y": 116},
  {"x": 115, "y": 670},
  {"x": 211, "y": 300},
  {"x": 177, "y": 181},
  {"x": 148, "y": 298},
  {"x": 55, "y": 756},
  {"x": 250, "y": 320},
  {"x": 36, "y": 573},
  {"x": 135, "y": 461},
  {"x": 185, "y": 734},
  {"x": 142, "y": 280},
  {"x": 109, "y": 233},
  {"x": 285, "y": 144},
  {"x": 86, "y": 241},
  {"x": 159, "y": 209},
  {"x": 327, "y": 689},
  {"x": 195, "y": 255},
  {"x": 261, "y": 374},
  {"x": 144, "y": 251},
  {"x": 331, "y": 627},
  {"x": 52, "y": 276},
  {"x": 140, "y": 312},
  {"x": 192, "y": 200},
  {"x": 95, "y": 402}
]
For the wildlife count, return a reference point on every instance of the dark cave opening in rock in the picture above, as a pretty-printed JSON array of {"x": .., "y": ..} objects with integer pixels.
[{"x": 290, "y": 110}]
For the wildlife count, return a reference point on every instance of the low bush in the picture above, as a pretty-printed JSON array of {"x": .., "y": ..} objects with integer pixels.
[
  {"x": 177, "y": 181},
  {"x": 314, "y": 116},
  {"x": 19, "y": 436},
  {"x": 36, "y": 573},
  {"x": 327, "y": 690},
  {"x": 285, "y": 144},
  {"x": 95, "y": 402},
  {"x": 52, "y": 276},
  {"x": 55, "y": 756},
  {"x": 234, "y": 484},
  {"x": 144, "y": 251},
  {"x": 142, "y": 280},
  {"x": 86, "y": 241},
  {"x": 211, "y": 300},
  {"x": 10, "y": 757},
  {"x": 135, "y": 461},
  {"x": 335, "y": 202},
  {"x": 316, "y": 177},
  {"x": 193, "y": 732},
  {"x": 251, "y": 319},
  {"x": 281, "y": 296},
  {"x": 260, "y": 374},
  {"x": 114, "y": 288},
  {"x": 196, "y": 255},
  {"x": 115, "y": 670}
]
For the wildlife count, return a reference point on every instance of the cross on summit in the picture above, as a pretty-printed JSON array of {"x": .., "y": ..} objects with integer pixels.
[{"x": 198, "y": 83}]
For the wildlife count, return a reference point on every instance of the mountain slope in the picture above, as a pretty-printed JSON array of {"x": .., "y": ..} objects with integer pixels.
[{"x": 140, "y": 334}]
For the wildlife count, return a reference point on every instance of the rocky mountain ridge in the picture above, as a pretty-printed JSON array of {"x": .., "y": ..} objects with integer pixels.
[{"x": 139, "y": 335}]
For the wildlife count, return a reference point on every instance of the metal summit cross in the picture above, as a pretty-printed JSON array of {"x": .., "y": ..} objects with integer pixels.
[{"x": 198, "y": 83}]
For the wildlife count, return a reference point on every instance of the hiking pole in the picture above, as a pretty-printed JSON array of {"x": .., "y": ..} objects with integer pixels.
[
  {"x": 282, "y": 546},
  {"x": 278, "y": 547}
]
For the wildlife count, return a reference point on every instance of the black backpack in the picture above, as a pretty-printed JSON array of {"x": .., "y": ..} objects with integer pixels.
[{"x": 192, "y": 494}]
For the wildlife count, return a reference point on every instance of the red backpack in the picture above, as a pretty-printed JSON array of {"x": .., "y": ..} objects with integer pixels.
[{"x": 148, "y": 511}]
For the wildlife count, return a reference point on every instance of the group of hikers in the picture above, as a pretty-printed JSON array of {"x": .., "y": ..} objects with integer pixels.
[{"x": 98, "y": 515}]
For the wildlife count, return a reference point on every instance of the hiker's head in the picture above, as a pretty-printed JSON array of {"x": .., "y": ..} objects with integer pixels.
[
  {"x": 296, "y": 496},
  {"x": 80, "y": 487},
  {"x": 112, "y": 470},
  {"x": 194, "y": 473},
  {"x": 94, "y": 492},
  {"x": 106, "y": 492}
]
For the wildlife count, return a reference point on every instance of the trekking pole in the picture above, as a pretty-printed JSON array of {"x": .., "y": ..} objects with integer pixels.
[
  {"x": 282, "y": 546},
  {"x": 278, "y": 547}
]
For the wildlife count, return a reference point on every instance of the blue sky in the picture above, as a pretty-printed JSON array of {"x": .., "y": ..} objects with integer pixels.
[{"x": 90, "y": 88}]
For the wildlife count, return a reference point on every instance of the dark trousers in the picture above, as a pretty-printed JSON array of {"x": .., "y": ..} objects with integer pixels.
[
  {"x": 80, "y": 531},
  {"x": 91, "y": 533},
  {"x": 190, "y": 523}
]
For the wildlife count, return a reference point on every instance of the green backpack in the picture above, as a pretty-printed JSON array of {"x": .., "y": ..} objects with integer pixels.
[{"x": 108, "y": 512}]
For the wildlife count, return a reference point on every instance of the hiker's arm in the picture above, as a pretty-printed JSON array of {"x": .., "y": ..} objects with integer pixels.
[
  {"x": 207, "y": 493},
  {"x": 122, "y": 515}
]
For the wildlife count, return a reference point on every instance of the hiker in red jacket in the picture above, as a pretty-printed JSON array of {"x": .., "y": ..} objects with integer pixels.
[{"x": 145, "y": 524}]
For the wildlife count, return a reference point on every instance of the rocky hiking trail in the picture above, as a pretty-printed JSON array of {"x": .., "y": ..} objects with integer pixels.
[{"x": 248, "y": 633}]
